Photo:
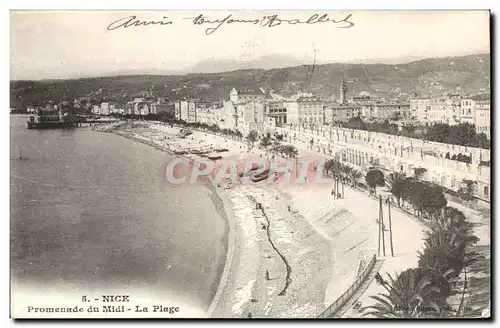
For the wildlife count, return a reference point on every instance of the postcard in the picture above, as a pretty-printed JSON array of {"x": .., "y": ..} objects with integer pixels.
[{"x": 250, "y": 164}]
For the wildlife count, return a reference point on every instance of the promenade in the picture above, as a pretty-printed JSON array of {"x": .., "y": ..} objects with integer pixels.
[{"x": 298, "y": 252}]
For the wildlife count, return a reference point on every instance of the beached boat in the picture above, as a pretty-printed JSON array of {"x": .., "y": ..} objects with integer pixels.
[
  {"x": 246, "y": 173},
  {"x": 260, "y": 176},
  {"x": 200, "y": 151},
  {"x": 255, "y": 167}
]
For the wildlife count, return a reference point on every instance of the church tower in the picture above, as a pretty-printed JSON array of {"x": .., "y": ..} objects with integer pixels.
[{"x": 343, "y": 92}]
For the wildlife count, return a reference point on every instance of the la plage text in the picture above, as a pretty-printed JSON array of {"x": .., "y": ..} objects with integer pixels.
[{"x": 106, "y": 309}]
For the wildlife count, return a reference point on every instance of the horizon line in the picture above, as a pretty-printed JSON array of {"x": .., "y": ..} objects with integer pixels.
[{"x": 173, "y": 73}]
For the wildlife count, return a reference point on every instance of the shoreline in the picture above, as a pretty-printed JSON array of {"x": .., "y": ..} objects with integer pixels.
[
  {"x": 226, "y": 212},
  {"x": 223, "y": 207}
]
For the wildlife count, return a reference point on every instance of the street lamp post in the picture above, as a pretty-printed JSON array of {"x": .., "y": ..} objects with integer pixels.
[
  {"x": 390, "y": 228},
  {"x": 381, "y": 223}
]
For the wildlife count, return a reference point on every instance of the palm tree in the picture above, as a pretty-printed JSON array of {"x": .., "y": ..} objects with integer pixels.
[
  {"x": 276, "y": 146},
  {"x": 443, "y": 253},
  {"x": 336, "y": 168},
  {"x": 252, "y": 136},
  {"x": 239, "y": 134},
  {"x": 393, "y": 178},
  {"x": 419, "y": 172},
  {"x": 214, "y": 128},
  {"x": 329, "y": 167},
  {"x": 346, "y": 172},
  {"x": 374, "y": 178},
  {"x": 410, "y": 295},
  {"x": 265, "y": 143},
  {"x": 355, "y": 175},
  {"x": 454, "y": 220},
  {"x": 290, "y": 151},
  {"x": 396, "y": 182},
  {"x": 467, "y": 189}
]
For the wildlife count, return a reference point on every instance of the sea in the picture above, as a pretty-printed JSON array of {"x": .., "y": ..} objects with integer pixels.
[{"x": 91, "y": 211}]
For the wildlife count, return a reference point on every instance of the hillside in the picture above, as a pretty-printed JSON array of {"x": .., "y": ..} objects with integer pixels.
[{"x": 433, "y": 76}]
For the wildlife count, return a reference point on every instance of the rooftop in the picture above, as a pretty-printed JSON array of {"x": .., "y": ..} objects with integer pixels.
[
  {"x": 250, "y": 91},
  {"x": 484, "y": 96}
]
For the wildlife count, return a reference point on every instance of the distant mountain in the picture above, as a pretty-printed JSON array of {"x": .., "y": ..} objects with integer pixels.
[
  {"x": 266, "y": 62},
  {"x": 432, "y": 76}
]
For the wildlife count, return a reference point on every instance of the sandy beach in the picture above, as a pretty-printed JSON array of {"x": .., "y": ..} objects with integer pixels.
[{"x": 292, "y": 249}]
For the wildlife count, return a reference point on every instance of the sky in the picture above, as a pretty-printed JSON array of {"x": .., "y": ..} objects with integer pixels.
[{"x": 72, "y": 44}]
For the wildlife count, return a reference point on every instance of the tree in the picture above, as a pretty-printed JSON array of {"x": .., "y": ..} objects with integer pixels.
[
  {"x": 467, "y": 189},
  {"x": 276, "y": 143},
  {"x": 396, "y": 182},
  {"x": 419, "y": 172},
  {"x": 356, "y": 123},
  {"x": 426, "y": 199},
  {"x": 238, "y": 134},
  {"x": 252, "y": 136},
  {"x": 374, "y": 178},
  {"x": 410, "y": 295},
  {"x": 394, "y": 177},
  {"x": 214, "y": 128},
  {"x": 355, "y": 175},
  {"x": 454, "y": 220},
  {"x": 329, "y": 167},
  {"x": 443, "y": 253},
  {"x": 346, "y": 172},
  {"x": 276, "y": 147},
  {"x": 265, "y": 142},
  {"x": 290, "y": 151},
  {"x": 432, "y": 200}
]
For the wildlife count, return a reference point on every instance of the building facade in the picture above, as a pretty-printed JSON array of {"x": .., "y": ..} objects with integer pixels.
[
  {"x": 276, "y": 110},
  {"x": 305, "y": 111},
  {"x": 247, "y": 94},
  {"x": 482, "y": 118},
  {"x": 335, "y": 112},
  {"x": 209, "y": 115},
  {"x": 186, "y": 111},
  {"x": 365, "y": 149},
  {"x": 452, "y": 111}
]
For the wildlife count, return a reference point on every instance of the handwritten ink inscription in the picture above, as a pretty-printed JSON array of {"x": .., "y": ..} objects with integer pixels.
[
  {"x": 213, "y": 25},
  {"x": 132, "y": 21}
]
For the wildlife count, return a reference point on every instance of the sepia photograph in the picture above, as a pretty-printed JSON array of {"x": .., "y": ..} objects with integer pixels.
[{"x": 250, "y": 164}]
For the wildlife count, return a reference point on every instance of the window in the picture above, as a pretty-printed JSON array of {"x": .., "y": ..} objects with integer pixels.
[{"x": 486, "y": 191}]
